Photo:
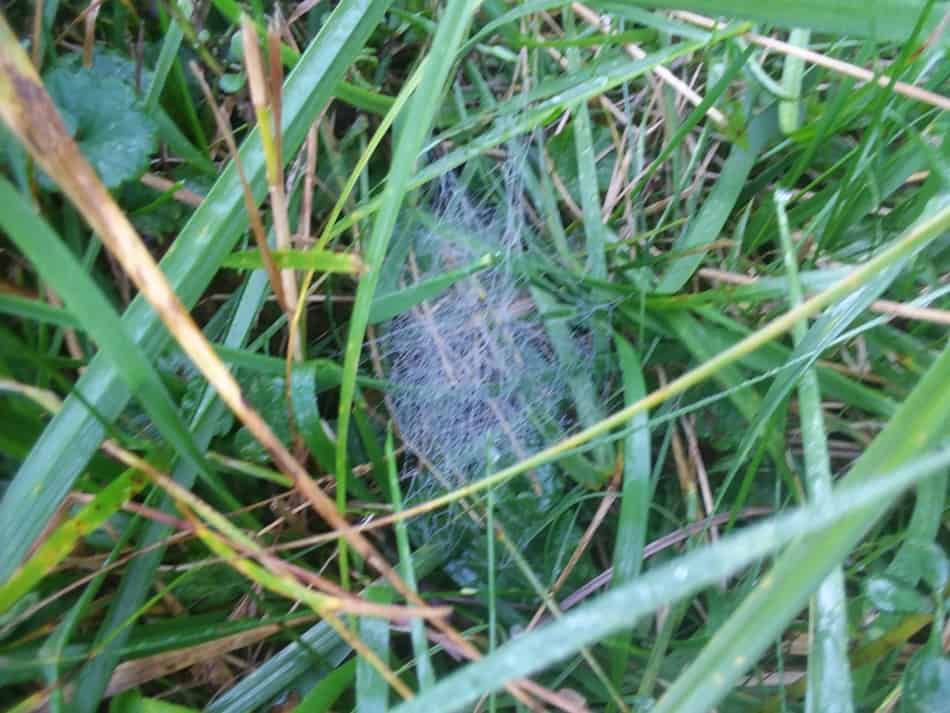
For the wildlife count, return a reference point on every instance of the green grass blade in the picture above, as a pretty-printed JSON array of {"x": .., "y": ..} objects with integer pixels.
[
  {"x": 635, "y": 496},
  {"x": 789, "y": 110},
  {"x": 829, "y": 671},
  {"x": 321, "y": 697},
  {"x": 166, "y": 58}
]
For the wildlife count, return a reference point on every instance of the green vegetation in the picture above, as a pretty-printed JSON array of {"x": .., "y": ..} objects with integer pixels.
[{"x": 397, "y": 355}]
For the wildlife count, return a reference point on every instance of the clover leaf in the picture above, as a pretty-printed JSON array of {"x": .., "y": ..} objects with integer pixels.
[{"x": 106, "y": 120}]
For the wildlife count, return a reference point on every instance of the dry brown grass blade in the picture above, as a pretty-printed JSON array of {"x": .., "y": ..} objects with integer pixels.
[
  {"x": 250, "y": 205},
  {"x": 266, "y": 100},
  {"x": 134, "y": 673}
]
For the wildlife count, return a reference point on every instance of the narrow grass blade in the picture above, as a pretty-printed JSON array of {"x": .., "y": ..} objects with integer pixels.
[
  {"x": 420, "y": 647},
  {"x": 829, "y": 671},
  {"x": 166, "y": 58},
  {"x": 708, "y": 223}
]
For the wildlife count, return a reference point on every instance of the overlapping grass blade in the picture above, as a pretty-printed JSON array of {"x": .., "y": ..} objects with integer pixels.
[
  {"x": 70, "y": 439},
  {"x": 870, "y": 492}
]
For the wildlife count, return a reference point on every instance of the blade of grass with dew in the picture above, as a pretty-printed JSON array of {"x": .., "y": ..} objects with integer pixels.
[
  {"x": 921, "y": 423},
  {"x": 708, "y": 223},
  {"x": 881, "y": 20},
  {"x": 420, "y": 647},
  {"x": 636, "y": 494},
  {"x": 687, "y": 574},
  {"x": 422, "y": 107},
  {"x": 72, "y": 437},
  {"x": 829, "y": 671}
]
